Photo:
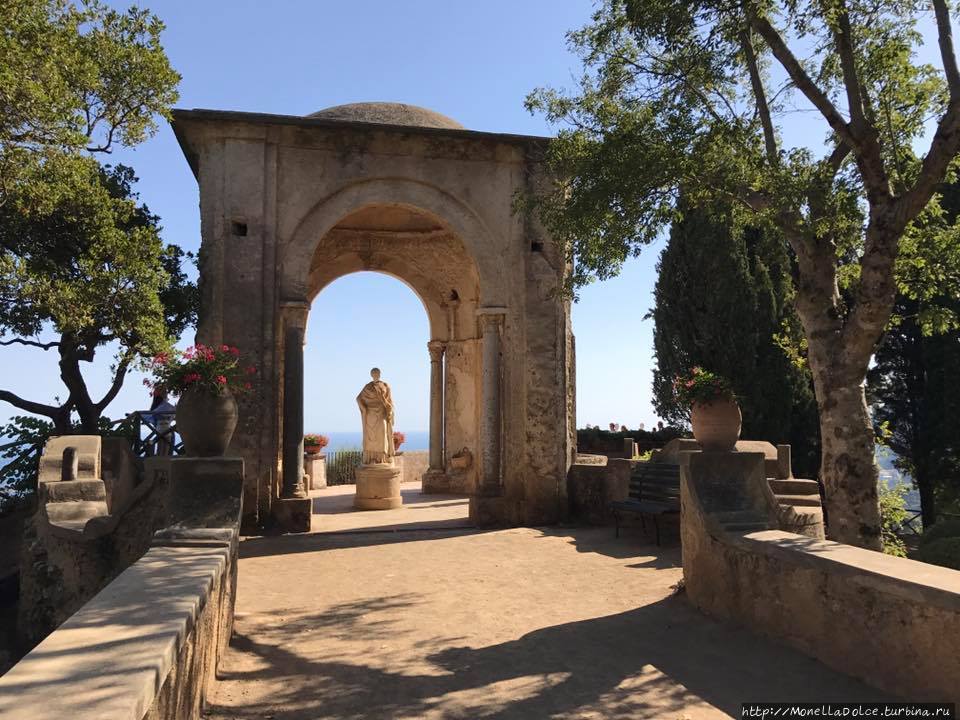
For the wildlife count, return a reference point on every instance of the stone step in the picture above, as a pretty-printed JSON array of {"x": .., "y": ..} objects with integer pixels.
[
  {"x": 747, "y": 526},
  {"x": 739, "y": 516},
  {"x": 73, "y": 490},
  {"x": 76, "y": 510},
  {"x": 803, "y": 500},
  {"x": 794, "y": 486}
]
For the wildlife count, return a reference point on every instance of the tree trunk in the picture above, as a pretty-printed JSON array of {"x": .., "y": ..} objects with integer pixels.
[
  {"x": 848, "y": 468},
  {"x": 847, "y": 465},
  {"x": 928, "y": 499}
]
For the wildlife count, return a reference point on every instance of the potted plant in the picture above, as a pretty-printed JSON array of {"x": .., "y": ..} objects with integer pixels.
[
  {"x": 314, "y": 443},
  {"x": 398, "y": 439},
  {"x": 206, "y": 378},
  {"x": 714, "y": 413}
]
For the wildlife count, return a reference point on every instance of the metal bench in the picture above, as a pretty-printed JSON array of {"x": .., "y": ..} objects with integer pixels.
[{"x": 654, "y": 491}]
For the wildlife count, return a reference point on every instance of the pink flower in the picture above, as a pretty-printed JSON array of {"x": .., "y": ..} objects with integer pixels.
[
  {"x": 247, "y": 386},
  {"x": 225, "y": 348},
  {"x": 221, "y": 380}
]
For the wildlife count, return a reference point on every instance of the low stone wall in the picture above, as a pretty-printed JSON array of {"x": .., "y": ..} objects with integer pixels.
[
  {"x": 147, "y": 645},
  {"x": 593, "y": 482},
  {"x": 415, "y": 464},
  {"x": 889, "y": 621}
]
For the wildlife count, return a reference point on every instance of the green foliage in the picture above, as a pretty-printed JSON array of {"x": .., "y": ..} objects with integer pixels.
[
  {"x": 944, "y": 552},
  {"x": 724, "y": 302},
  {"x": 80, "y": 257},
  {"x": 912, "y": 382},
  {"x": 892, "y": 516},
  {"x": 18, "y": 477},
  {"x": 75, "y": 79}
]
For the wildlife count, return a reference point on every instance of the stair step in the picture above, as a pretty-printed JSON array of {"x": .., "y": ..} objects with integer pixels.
[
  {"x": 74, "y": 490},
  {"x": 794, "y": 486},
  {"x": 76, "y": 510},
  {"x": 801, "y": 500},
  {"x": 747, "y": 527}
]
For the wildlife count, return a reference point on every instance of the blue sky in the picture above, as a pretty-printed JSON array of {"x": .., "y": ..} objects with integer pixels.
[{"x": 472, "y": 61}]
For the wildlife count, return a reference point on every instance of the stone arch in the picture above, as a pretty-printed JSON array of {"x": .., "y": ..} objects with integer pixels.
[{"x": 462, "y": 221}]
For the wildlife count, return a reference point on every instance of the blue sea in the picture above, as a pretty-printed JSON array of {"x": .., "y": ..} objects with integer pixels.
[{"x": 415, "y": 440}]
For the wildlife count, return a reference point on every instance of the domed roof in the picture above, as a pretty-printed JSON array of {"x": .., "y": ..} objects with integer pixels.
[{"x": 387, "y": 113}]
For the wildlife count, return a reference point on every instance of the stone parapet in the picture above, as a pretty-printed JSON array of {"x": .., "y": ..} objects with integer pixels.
[
  {"x": 147, "y": 645},
  {"x": 889, "y": 621}
]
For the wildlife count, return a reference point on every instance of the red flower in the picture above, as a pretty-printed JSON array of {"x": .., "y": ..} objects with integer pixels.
[
  {"x": 161, "y": 358},
  {"x": 221, "y": 380},
  {"x": 251, "y": 370},
  {"x": 247, "y": 386},
  {"x": 191, "y": 378},
  {"x": 225, "y": 348}
]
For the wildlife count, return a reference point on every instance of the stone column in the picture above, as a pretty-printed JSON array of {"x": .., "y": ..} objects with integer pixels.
[
  {"x": 491, "y": 326},
  {"x": 436, "y": 349},
  {"x": 293, "y": 337}
]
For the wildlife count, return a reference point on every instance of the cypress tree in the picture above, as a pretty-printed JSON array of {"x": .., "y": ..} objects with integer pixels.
[{"x": 723, "y": 302}]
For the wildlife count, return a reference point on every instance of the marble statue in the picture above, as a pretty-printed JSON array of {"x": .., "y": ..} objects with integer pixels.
[{"x": 376, "y": 413}]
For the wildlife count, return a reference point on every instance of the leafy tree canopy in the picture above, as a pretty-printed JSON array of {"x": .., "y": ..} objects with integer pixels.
[
  {"x": 80, "y": 258},
  {"x": 692, "y": 97}
]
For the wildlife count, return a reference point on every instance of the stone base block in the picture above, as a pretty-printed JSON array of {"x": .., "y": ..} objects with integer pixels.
[
  {"x": 293, "y": 514},
  {"x": 378, "y": 487},
  {"x": 495, "y": 511},
  {"x": 435, "y": 481}
]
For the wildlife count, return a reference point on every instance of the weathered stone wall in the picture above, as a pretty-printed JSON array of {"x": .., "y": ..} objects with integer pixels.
[
  {"x": 62, "y": 569},
  {"x": 415, "y": 464},
  {"x": 148, "y": 644},
  {"x": 890, "y": 621},
  {"x": 591, "y": 487}
]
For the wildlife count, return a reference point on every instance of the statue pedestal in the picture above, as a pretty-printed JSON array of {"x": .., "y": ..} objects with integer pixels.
[{"x": 378, "y": 487}]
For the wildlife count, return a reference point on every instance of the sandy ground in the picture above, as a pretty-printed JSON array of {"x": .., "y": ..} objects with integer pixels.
[{"x": 458, "y": 623}]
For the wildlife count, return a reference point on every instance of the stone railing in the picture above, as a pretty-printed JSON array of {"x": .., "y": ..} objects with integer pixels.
[
  {"x": 889, "y": 621},
  {"x": 147, "y": 645}
]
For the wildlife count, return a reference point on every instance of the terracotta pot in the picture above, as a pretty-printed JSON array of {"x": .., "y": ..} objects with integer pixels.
[
  {"x": 312, "y": 449},
  {"x": 206, "y": 422},
  {"x": 716, "y": 425}
]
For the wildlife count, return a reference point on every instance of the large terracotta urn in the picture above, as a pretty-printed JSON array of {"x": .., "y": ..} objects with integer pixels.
[
  {"x": 716, "y": 424},
  {"x": 206, "y": 422}
]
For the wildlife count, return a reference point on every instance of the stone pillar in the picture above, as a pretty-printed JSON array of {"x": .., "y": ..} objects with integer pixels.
[
  {"x": 491, "y": 426},
  {"x": 293, "y": 509},
  {"x": 293, "y": 413},
  {"x": 436, "y": 349}
]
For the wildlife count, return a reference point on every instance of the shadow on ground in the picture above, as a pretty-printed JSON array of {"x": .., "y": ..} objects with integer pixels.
[{"x": 653, "y": 661}]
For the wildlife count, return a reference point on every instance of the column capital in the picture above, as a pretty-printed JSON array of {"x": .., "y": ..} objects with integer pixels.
[
  {"x": 294, "y": 313},
  {"x": 436, "y": 348},
  {"x": 491, "y": 317}
]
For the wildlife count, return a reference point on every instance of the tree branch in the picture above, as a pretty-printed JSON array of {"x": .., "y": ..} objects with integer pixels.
[
  {"x": 118, "y": 377},
  {"x": 802, "y": 81},
  {"x": 760, "y": 95},
  {"x": 30, "y": 343},
  {"x": 29, "y": 406},
  {"x": 947, "y": 54},
  {"x": 843, "y": 38}
]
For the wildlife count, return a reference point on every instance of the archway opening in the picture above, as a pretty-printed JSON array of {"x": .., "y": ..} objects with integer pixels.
[
  {"x": 360, "y": 321},
  {"x": 364, "y": 281}
]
